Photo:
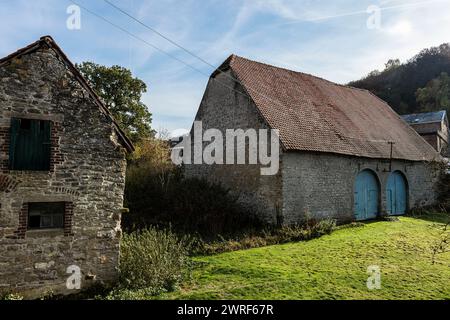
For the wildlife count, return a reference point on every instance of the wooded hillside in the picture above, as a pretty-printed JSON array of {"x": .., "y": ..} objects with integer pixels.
[{"x": 418, "y": 85}]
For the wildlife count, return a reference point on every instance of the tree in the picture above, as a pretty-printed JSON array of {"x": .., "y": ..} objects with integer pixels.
[
  {"x": 392, "y": 64},
  {"x": 398, "y": 83},
  {"x": 436, "y": 95},
  {"x": 122, "y": 94}
]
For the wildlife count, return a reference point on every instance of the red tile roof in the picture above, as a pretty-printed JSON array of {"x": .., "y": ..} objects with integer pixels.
[{"x": 313, "y": 114}]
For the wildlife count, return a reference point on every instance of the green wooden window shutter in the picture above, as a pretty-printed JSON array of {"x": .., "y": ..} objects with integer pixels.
[
  {"x": 30, "y": 145},
  {"x": 13, "y": 133}
]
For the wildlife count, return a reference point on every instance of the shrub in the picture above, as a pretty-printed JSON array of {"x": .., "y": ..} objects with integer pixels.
[
  {"x": 128, "y": 294},
  {"x": 268, "y": 236},
  {"x": 154, "y": 260},
  {"x": 390, "y": 218},
  {"x": 189, "y": 206},
  {"x": 350, "y": 225},
  {"x": 11, "y": 297},
  {"x": 157, "y": 195}
]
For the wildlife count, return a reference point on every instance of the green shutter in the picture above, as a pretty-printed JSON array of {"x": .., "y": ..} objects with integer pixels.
[
  {"x": 31, "y": 146},
  {"x": 13, "y": 133}
]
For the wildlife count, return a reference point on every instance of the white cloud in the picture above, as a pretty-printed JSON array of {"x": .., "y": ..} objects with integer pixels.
[{"x": 401, "y": 28}]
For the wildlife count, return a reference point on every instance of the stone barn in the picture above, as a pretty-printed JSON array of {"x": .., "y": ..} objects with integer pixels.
[
  {"x": 62, "y": 159},
  {"x": 344, "y": 153}
]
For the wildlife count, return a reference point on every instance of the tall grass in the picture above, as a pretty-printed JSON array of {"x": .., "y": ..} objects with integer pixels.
[{"x": 154, "y": 260}]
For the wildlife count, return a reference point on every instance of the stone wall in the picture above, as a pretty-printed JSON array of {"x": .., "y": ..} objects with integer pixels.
[
  {"x": 222, "y": 108},
  {"x": 87, "y": 173},
  {"x": 316, "y": 183},
  {"x": 323, "y": 184}
]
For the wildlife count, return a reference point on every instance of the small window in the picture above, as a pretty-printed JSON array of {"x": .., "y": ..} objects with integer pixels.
[
  {"x": 45, "y": 215},
  {"x": 30, "y": 145}
]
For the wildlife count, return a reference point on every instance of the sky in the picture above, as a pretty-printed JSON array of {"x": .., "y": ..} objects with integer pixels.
[{"x": 338, "y": 40}]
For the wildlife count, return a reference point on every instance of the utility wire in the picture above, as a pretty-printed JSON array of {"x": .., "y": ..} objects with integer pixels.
[
  {"x": 138, "y": 38},
  {"x": 184, "y": 49},
  {"x": 159, "y": 33},
  {"x": 196, "y": 56},
  {"x": 163, "y": 51},
  {"x": 245, "y": 94}
]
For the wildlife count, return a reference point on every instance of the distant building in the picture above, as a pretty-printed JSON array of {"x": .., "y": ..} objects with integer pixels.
[{"x": 433, "y": 127}]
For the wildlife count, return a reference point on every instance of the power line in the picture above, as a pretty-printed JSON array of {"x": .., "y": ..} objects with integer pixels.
[
  {"x": 181, "y": 61},
  {"x": 195, "y": 56},
  {"x": 176, "y": 44},
  {"x": 245, "y": 94},
  {"x": 138, "y": 38},
  {"x": 159, "y": 33},
  {"x": 161, "y": 50}
]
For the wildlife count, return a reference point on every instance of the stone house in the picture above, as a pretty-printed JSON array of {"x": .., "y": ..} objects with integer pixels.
[
  {"x": 433, "y": 127},
  {"x": 62, "y": 176},
  {"x": 344, "y": 153}
]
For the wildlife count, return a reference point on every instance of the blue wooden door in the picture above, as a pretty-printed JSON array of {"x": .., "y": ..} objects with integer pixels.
[
  {"x": 396, "y": 194},
  {"x": 366, "y": 195}
]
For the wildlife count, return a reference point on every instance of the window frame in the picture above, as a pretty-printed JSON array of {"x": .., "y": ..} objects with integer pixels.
[{"x": 53, "y": 226}]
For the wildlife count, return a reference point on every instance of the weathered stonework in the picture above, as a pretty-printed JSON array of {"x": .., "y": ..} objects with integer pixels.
[
  {"x": 223, "y": 108},
  {"x": 323, "y": 184},
  {"x": 87, "y": 173},
  {"x": 318, "y": 184}
]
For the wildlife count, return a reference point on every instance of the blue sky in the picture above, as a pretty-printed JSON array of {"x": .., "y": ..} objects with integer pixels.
[{"x": 329, "y": 39}]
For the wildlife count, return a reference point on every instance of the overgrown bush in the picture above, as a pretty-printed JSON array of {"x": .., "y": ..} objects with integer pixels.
[
  {"x": 154, "y": 260},
  {"x": 10, "y": 297},
  {"x": 157, "y": 194},
  {"x": 266, "y": 237},
  {"x": 443, "y": 189}
]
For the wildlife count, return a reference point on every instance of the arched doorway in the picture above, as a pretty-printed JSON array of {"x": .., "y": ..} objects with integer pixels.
[
  {"x": 396, "y": 194},
  {"x": 366, "y": 195}
]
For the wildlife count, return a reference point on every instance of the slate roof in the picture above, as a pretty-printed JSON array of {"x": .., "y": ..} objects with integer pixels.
[
  {"x": 428, "y": 117},
  {"x": 48, "y": 42},
  {"x": 313, "y": 114}
]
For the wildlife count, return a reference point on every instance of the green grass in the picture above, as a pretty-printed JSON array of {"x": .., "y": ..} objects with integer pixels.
[{"x": 331, "y": 267}]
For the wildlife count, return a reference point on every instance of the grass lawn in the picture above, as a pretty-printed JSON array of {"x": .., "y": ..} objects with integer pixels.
[{"x": 331, "y": 267}]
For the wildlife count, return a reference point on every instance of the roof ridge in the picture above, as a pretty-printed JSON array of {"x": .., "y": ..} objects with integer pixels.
[{"x": 234, "y": 56}]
